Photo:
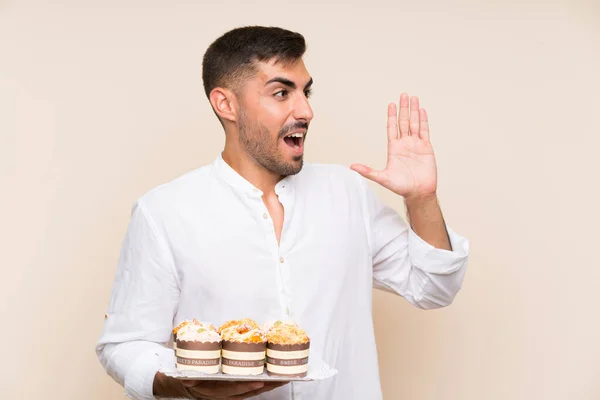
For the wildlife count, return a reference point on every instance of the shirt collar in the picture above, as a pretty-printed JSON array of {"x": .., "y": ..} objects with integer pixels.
[{"x": 234, "y": 179}]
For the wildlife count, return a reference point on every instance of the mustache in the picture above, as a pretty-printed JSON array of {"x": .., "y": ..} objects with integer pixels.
[{"x": 296, "y": 125}]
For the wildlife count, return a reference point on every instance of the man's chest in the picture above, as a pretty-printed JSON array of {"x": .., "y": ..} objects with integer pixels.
[{"x": 235, "y": 255}]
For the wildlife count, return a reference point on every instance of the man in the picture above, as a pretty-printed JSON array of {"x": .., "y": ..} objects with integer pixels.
[{"x": 258, "y": 234}]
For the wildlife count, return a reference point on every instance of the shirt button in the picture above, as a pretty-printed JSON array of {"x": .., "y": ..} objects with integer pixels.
[
  {"x": 281, "y": 260},
  {"x": 255, "y": 190},
  {"x": 265, "y": 216}
]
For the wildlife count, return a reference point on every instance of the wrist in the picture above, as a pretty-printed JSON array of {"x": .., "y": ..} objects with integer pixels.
[
  {"x": 422, "y": 211},
  {"x": 420, "y": 199}
]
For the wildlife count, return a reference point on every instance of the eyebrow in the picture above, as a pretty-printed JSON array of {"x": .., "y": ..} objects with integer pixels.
[{"x": 288, "y": 82}]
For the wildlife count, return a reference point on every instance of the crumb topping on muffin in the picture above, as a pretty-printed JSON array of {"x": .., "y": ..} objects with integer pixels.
[
  {"x": 242, "y": 331},
  {"x": 286, "y": 333}
]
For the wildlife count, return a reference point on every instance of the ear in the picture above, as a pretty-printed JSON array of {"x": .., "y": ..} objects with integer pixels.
[{"x": 224, "y": 102}]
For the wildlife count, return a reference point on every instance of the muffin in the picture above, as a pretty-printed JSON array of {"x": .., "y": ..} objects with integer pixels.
[
  {"x": 244, "y": 346},
  {"x": 198, "y": 348},
  {"x": 190, "y": 325},
  {"x": 287, "y": 349}
]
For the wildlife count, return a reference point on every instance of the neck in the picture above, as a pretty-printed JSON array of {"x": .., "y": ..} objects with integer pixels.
[{"x": 249, "y": 169}]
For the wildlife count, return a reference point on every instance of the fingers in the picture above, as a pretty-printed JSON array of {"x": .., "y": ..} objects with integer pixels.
[
  {"x": 369, "y": 173},
  {"x": 392, "y": 122},
  {"x": 424, "y": 132},
  {"x": 412, "y": 119},
  {"x": 414, "y": 116},
  {"x": 403, "y": 117},
  {"x": 267, "y": 388},
  {"x": 219, "y": 389}
]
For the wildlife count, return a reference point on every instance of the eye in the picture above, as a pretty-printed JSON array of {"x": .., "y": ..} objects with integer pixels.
[
  {"x": 308, "y": 93},
  {"x": 282, "y": 93}
]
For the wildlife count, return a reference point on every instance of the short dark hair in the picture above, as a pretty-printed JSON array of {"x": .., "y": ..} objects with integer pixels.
[{"x": 231, "y": 58}]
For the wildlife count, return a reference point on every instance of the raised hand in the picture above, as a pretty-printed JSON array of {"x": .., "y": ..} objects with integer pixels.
[{"x": 410, "y": 170}]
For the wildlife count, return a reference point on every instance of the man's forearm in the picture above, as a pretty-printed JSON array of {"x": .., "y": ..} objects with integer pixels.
[
  {"x": 165, "y": 386},
  {"x": 426, "y": 220}
]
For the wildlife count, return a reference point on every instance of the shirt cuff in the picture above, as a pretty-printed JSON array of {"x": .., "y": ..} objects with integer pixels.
[
  {"x": 438, "y": 261},
  {"x": 139, "y": 380}
]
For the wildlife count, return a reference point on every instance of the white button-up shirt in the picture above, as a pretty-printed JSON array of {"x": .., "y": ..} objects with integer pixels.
[{"x": 204, "y": 246}]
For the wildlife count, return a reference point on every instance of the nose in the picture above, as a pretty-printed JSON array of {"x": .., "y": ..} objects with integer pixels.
[{"x": 303, "y": 110}]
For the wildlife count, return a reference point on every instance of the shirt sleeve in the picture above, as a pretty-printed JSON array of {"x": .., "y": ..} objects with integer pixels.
[
  {"x": 405, "y": 264},
  {"x": 143, "y": 302}
]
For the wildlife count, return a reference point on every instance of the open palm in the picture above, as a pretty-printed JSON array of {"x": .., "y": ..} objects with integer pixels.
[{"x": 410, "y": 170}]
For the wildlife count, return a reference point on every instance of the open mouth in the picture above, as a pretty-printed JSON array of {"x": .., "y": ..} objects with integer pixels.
[{"x": 295, "y": 140}]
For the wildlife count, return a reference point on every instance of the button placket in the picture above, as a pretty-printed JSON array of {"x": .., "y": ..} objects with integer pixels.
[
  {"x": 281, "y": 285},
  {"x": 271, "y": 242},
  {"x": 285, "y": 280},
  {"x": 284, "y": 269},
  {"x": 286, "y": 196}
]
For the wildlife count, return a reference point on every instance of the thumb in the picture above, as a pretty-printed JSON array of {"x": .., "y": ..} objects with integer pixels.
[{"x": 368, "y": 172}]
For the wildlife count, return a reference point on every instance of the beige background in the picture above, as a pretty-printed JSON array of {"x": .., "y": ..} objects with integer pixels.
[{"x": 100, "y": 102}]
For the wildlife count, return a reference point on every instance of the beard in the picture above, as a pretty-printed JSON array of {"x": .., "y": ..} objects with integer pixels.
[{"x": 257, "y": 141}]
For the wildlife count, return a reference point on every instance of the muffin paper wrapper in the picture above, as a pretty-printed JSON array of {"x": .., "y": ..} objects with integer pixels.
[
  {"x": 193, "y": 345},
  {"x": 288, "y": 347},
  {"x": 247, "y": 347}
]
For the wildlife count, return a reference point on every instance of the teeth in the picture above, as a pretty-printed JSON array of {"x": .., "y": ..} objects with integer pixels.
[{"x": 297, "y": 135}]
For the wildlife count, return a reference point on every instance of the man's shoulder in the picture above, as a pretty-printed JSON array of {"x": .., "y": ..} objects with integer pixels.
[{"x": 178, "y": 189}]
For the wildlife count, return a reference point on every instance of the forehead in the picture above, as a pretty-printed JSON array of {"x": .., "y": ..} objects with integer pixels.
[{"x": 295, "y": 71}]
